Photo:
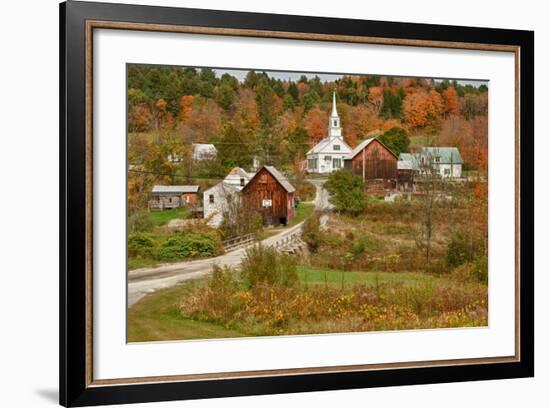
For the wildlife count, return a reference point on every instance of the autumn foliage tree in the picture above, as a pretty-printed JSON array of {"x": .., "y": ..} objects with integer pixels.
[
  {"x": 315, "y": 123},
  {"x": 450, "y": 101},
  {"x": 278, "y": 120},
  {"x": 422, "y": 108}
]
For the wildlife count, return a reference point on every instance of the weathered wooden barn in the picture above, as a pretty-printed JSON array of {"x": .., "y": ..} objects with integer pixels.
[
  {"x": 166, "y": 197},
  {"x": 270, "y": 193},
  {"x": 372, "y": 160}
]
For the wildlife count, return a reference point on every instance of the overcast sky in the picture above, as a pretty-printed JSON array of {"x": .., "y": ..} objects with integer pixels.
[{"x": 240, "y": 74}]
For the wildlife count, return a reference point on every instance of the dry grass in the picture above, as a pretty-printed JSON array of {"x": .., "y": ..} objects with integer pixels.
[{"x": 276, "y": 310}]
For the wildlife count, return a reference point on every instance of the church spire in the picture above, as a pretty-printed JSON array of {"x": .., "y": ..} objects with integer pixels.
[
  {"x": 334, "y": 113},
  {"x": 334, "y": 129}
]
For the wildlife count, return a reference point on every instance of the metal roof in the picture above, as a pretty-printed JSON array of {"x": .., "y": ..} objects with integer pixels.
[
  {"x": 364, "y": 144},
  {"x": 447, "y": 155},
  {"x": 407, "y": 161},
  {"x": 227, "y": 187},
  {"x": 359, "y": 148},
  {"x": 174, "y": 189},
  {"x": 280, "y": 178}
]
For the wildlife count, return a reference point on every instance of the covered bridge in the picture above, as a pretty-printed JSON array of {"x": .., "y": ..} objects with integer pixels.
[{"x": 270, "y": 194}]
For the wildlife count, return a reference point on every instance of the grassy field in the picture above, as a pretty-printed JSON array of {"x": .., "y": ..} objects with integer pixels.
[
  {"x": 156, "y": 316},
  {"x": 310, "y": 275},
  {"x": 161, "y": 218}
]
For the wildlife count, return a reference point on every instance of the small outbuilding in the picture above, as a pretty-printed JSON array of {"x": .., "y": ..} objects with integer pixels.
[
  {"x": 270, "y": 194},
  {"x": 166, "y": 197},
  {"x": 407, "y": 169}
]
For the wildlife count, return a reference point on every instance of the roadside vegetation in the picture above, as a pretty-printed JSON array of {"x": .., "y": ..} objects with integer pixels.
[
  {"x": 259, "y": 300},
  {"x": 146, "y": 249}
]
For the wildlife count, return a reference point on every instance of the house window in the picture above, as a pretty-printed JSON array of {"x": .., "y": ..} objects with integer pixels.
[
  {"x": 211, "y": 198},
  {"x": 328, "y": 158},
  {"x": 242, "y": 182},
  {"x": 336, "y": 147},
  {"x": 437, "y": 159},
  {"x": 447, "y": 172},
  {"x": 337, "y": 163}
]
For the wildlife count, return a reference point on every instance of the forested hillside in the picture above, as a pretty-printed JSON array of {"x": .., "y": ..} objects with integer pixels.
[{"x": 279, "y": 120}]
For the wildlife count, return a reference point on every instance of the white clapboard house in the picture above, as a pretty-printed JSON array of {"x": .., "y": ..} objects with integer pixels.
[
  {"x": 328, "y": 155},
  {"x": 217, "y": 198},
  {"x": 445, "y": 161}
]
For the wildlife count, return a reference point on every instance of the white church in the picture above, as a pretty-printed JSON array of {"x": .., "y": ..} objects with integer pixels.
[{"x": 328, "y": 155}]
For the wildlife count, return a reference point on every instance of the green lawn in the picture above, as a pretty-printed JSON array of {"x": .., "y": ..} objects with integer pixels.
[
  {"x": 156, "y": 318},
  {"x": 313, "y": 275},
  {"x": 303, "y": 211},
  {"x": 163, "y": 217}
]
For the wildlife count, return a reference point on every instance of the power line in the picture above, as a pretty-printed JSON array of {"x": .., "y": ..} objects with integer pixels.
[{"x": 174, "y": 175}]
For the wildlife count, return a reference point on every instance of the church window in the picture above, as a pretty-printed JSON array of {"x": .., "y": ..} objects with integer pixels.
[
  {"x": 328, "y": 158},
  {"x": 336, "y": 147}
]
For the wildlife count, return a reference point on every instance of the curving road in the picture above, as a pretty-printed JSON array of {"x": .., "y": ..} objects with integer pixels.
[
  {"x": 322, "y": 202},
  {"x": 147, "y": 280}
]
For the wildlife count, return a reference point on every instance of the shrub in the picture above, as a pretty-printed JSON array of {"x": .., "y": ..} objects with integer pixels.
[
  {"x": 311, "y": 233},
  {"x": 396, "y": 139},
  {"x": 140, "y": 222},
  {"x": 264, "y": 265},
  {"x": 359, "y": 247},
  {"x": 189, "y": 245},
  {"x": 346, "y": 192},
  {"x": 481, "y": 269},
  {"x": 463, "y": 247},
  {"x": 140, "y": 245},
  {"x": 221, "y": 286},
  {"x": 472, "y": 271},
  {"x": 305, "y": 191}
]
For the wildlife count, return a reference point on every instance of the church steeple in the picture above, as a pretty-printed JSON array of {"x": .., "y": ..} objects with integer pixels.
[{"x": 334, "y": 129}]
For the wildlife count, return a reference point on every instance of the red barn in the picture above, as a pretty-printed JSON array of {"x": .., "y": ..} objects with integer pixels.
[
  {"x": 372, "y": 160},
  {"x": 270, "y": 193}
]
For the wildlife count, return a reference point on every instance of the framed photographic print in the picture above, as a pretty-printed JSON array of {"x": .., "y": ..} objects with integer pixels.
[{"x": 255, "y": 203}]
